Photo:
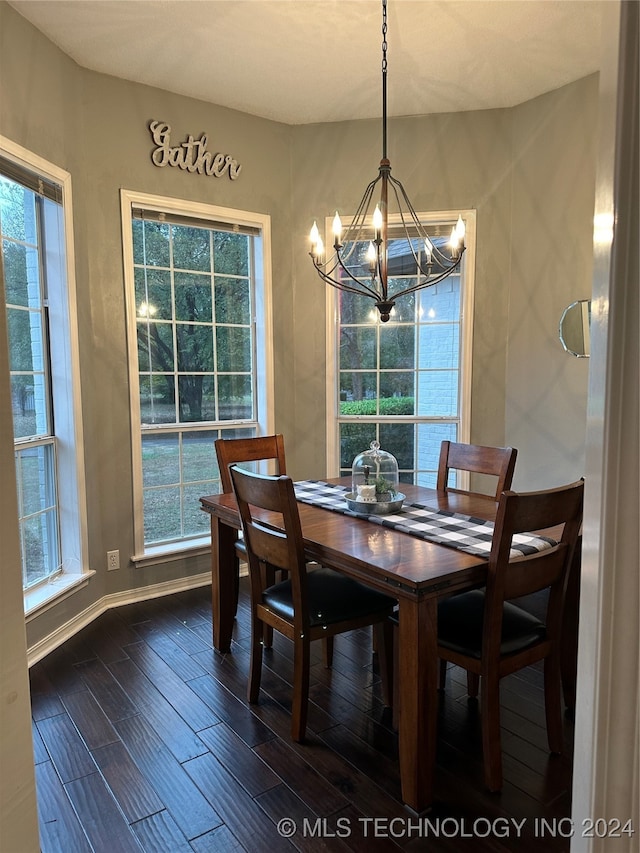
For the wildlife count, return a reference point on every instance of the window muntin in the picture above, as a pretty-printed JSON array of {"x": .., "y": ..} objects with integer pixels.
[
  {"x": 402, "y": 382},
  {"x": 197, "y": 298}
]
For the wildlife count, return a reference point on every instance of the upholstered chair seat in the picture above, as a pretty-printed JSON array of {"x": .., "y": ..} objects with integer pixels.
[
  {"x": 461, "y": 623},
  {"x": 331, "y": 598}
]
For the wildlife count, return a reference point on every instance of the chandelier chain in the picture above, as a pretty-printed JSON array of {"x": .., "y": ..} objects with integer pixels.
[
  {"x": 384, "y": 37},
  {"x": 384, "y": 79}
]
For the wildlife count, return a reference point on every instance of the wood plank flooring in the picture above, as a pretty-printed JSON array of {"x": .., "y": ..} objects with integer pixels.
[{"x": 143, "y": 740}]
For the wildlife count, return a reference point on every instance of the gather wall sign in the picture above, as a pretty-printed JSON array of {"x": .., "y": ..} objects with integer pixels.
[{"x": 190, "y": 155}]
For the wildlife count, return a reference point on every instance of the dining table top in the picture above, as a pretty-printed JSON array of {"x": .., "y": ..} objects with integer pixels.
[{"x": 395, "y": 561}]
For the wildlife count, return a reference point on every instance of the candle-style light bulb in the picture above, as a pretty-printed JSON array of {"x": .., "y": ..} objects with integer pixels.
[
  {"x": 337, "y": 228},
  {"x": 454, "y": 245},
  {"x": 314, "y": 234},
  {"x": 460, "y": 231},
  {"x": 372, "y": 256},
  {"x": 319, "y": 247},
  {"x": 428, "y": 249},
  {"x": 377, "y": 220}
]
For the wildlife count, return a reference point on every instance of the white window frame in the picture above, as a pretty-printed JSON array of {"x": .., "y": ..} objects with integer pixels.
[
  {"x": 65, "y": 390},
  {"x": 466, "y": 341},
  {"x": 263, "y": 357}
]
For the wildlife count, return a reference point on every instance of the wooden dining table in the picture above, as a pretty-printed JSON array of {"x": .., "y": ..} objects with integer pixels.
[{"x": 414, "y": 571}]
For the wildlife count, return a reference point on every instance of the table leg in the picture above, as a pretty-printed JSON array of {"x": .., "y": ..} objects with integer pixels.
[
  {"x": 418, "y": 697},
  {"x": 224, "y": 582}
]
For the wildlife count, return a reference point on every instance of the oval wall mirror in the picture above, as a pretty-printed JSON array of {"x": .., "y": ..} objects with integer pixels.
[{"x": 575, "y": 328}]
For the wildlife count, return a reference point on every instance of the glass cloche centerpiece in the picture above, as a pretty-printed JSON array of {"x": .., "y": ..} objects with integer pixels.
[{"x": 374, "y": 482}]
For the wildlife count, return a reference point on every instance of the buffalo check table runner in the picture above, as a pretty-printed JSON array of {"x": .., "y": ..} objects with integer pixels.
[{"x": 463, "y": 532}]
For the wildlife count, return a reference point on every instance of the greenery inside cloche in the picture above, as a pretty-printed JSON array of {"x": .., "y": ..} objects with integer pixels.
[{"x": 384, "y": 489}]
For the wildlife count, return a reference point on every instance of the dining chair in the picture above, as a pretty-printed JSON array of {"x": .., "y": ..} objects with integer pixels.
[
  {"x": 486, "y": 634},
  {"x": 498, "y": 462},
  {"x": 477, "y": 459},
  {"x": 308, "y": 605},
  {"x": 231, "y": 451}
]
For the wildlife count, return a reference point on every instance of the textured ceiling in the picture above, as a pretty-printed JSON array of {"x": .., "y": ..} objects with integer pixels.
[{"x": 304, "y": 61}]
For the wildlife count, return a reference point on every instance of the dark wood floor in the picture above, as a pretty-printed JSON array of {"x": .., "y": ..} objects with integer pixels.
[{"x": 144, "y": 741}]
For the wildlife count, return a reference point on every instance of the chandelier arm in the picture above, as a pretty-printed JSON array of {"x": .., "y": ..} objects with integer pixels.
[
  {"x": 326, "y": 275},
  {"x": 358, "y": 219},
  {"x": 361, "y": 285},
  {"x": 361, "y": 290},
  {"x": 353, "y": 231},
  {"x": 451, "y": 266},
  {"x": 449, "y": 263},
  {"x": 329, "y": 270},
  {"x": 438, "y": 254},
  {"x": 423, "y": 284},
  {"x": 421, "y": 233},
  {"x": 397, "y": 185}
]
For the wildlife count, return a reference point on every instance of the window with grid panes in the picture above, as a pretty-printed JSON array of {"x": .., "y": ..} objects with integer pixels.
[
  {"x": 402, "y": 382},
  {"x": 194, "y": 295},
  {"x": 43, "y": 372}
]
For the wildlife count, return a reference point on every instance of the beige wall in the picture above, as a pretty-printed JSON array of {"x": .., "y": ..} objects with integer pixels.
[
  {"x": 528, "y": 171},
  {"x": 554, "y": 152}
]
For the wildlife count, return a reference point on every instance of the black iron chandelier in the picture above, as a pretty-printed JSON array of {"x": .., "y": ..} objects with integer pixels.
[{"x": 365, "y": 271}]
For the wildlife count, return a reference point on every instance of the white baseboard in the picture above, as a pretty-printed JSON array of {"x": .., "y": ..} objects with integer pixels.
[{"x": 45, "y": 646}]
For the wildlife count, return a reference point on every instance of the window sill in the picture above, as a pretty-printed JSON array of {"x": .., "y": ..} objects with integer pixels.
[
  {"x": 47, "y": 595},
  {"x": 164, "y": 554},
  {"x": 176, "y": 551}
]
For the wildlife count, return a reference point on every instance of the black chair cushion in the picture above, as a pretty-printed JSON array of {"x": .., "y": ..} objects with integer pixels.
[
  {"x": 333, "y": 597},
  {"x": 460, "y": 620}
]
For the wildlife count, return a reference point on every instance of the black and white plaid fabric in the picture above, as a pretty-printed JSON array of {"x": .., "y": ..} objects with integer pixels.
[{"x": 472, "y": 535}]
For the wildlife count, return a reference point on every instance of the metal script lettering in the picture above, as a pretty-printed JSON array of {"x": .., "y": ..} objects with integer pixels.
[{"x": 191, "y": 155}]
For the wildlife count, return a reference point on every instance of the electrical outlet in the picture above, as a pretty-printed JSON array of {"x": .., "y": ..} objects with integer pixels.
[{"x": 113, "y": 560}]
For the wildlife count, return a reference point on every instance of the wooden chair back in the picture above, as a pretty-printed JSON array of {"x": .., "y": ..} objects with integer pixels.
[
  {"x": 508, "y": 579},
  {"x": 272, "y": 535},
  {"x": 232, "y": 451},
  {"x": 499, "y": 462}
]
